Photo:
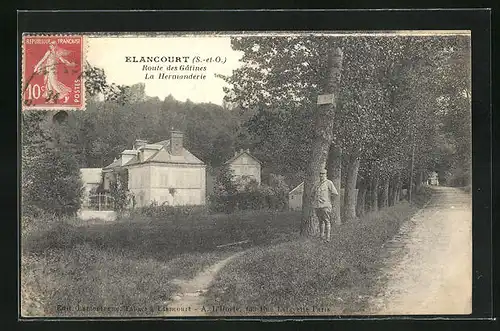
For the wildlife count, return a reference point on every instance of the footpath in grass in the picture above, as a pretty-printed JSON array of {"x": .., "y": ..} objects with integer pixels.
[
  {"x": 307, "y": 276},
  {"x": 128, "y": 267}
]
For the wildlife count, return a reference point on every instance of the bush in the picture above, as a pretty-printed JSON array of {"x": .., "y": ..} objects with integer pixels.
[
  {"x": 53, "y": 183},
  {"x": 50, "y": 178},
  {"x": 163, "y": 212},
  {"x": 119, "y": 190},
  {"x": 35, "y": 220},
  {"x": 246, "y": 193},
  {"x": 225, "y": 190},
  {"x": 280, "y": 191},
  {"x": 273, "y": 196}
]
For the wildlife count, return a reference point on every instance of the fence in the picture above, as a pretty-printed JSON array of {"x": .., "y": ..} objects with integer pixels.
[{"x": 99, "y": 202}]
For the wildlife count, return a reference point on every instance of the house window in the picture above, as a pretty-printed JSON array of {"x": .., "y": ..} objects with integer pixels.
[
  {"x": 186, "y": 178},
  {"x": 164, "y": 180}
]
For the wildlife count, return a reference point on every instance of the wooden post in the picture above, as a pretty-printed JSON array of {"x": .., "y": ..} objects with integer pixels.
[{"x": 410, "y": 188}]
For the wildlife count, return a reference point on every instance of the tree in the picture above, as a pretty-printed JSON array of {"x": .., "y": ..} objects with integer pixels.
[
  {"x": 391, "y": 87},
  {"x": 279, "y": 190},
  {"x": 119, "y": 190},
  {"x": 51, "y": 179},
  {"x": 325, "y": 119},
  {"x": 279, "y": 82},
  {"x": 281, "y": 79},
  {"x": 225, "y": 191}
]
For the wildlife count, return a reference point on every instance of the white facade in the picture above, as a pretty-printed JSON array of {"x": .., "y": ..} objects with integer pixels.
[
  {"x": 91, "y": 178},
  {"x": 295, "y": 197},
  {"x": 433, "y": 179},
  {"x": 164, "y": 173},
  {"x": 244, "y": 164},
  {"x": 173, "y": 185},
  {"x": 178, "y": 185}
]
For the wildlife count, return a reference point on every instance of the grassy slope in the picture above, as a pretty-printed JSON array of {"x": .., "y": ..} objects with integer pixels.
[
  {"x": 301, "y": 275},
  {"x": 131, "y": 262}
]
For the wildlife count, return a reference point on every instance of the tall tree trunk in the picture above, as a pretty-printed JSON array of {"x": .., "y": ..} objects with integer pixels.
[
  {"x": 335, "y": 174},
  {"x": 310, "y": 226},
  {"x": 385, "y": 192},
  {"x": 350, "y": 189},
  {"x": 374, "y": 190},
  {"x": 420, "y": 179},
  {"x": 392, "y": 191},
  {"x": 361, "y": 199},
  {"x": 412, "y": 166},
  {"x": 325, "y": 119},
  {"x": 397, "y": 188},
  {"x": 414, "y": 185},
  {"x": 399, "y": 191}
]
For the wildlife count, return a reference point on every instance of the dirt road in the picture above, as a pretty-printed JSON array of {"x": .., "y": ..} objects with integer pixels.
[
  {"x": 428, "y": 269},
  {"x": 189, "y": 300}
]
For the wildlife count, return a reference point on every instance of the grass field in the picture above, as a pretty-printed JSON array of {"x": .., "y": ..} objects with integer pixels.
[
  {"x": 132, "y": 262},
  {"x": 307, "y": 276},
  {"x": 122, "y": 268}
]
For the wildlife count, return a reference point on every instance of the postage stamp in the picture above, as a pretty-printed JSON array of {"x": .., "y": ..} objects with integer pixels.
[
  {"x": 198, "y": 180},
  {"x": 52, "y": 72}
]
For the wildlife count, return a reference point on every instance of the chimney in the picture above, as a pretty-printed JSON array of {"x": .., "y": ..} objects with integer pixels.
[
  {"x": 176, "y": 142},
  {"x": 139, "y": 143}
]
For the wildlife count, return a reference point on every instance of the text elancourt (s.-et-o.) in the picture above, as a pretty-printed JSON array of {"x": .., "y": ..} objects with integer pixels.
[{"x": 184, "y": 67}]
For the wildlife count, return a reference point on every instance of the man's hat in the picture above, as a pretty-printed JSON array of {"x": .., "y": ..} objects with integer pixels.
[{"x": 322, "y": 171}]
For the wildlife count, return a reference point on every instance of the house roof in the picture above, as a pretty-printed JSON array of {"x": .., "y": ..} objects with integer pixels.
[
  {"x": 241, "y": 153},
  {"x": 161, "y": 155},
  {"x": 300, "y": 187},
  {"x": 297, "y": 188},
  {"x": 116, "y": 163},
  {"x": 91, "y": 175}
]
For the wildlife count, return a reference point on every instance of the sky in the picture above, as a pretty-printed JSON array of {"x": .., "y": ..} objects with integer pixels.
[{"x": 109, "y": 54}]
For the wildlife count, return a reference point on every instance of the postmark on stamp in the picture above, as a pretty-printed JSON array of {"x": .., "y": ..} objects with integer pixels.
[{"x": 52, "y": 72}]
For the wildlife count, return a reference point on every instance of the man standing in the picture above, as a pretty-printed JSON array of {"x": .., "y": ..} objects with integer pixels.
[{"x": 322, "y": 204}]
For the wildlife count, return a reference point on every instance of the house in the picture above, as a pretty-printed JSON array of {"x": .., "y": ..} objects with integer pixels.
[
  {"x": 92, "y": 179},
  {"x": 211, "y": 177},
  {"x": 295, "y": 197},
  {"x": 433, "y": 179},
  {"x": 245, "y": 164},
  {"x": 163, "y": 172},
  {"x": 242, "y": 163}
]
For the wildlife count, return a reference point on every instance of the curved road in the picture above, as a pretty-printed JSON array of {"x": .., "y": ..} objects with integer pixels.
[{"x": 429, "y": 267}]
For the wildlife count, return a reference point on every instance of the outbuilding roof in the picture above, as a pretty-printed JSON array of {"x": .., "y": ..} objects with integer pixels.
[{"x": 241, "y": 153}]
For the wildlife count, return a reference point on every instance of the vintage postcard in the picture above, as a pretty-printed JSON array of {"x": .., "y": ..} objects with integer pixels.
[{"x": 287, "y": 174}]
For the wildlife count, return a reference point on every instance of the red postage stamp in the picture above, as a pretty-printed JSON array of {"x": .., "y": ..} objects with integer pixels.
[{"x": 52, "y": 72}]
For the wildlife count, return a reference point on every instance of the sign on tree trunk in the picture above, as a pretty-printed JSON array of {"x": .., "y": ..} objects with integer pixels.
[{"x": 325, "y": 99}]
